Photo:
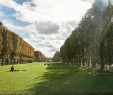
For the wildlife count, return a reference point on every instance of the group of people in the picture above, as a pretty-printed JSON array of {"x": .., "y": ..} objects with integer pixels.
[{"x": 46, "y": 64}]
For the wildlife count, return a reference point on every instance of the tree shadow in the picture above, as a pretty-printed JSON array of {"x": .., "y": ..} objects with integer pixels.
[
  {"x": 103, "y": 81},
  {"x": 70, "y": 80},
  {"x": 55, "y": 81}
]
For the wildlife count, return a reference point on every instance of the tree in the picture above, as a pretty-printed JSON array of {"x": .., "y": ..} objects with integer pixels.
[
  {"x": 1, "y": 38},
  {"x": 56, "y": 57},
  {"x": 92, "y": 39},
  {"x": 13, "y": 48},
  {"x": 39, "y": 57}
]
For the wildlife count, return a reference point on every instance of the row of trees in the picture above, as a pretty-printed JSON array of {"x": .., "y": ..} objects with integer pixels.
[
  {"x": 39, "y": 57},
  {"x": 13, "y": 49},
  {"x": 92, "y": 41},
  {"x": 56, "y": 57}
]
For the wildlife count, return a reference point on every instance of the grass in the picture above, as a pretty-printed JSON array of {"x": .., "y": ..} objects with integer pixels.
[
  {"x": 55, "y": 79},
  {"x": 13, "y": 82}
]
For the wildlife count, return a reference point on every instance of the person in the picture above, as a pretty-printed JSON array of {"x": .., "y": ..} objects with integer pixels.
[
  {"x": 12, "y": 69},
  {"x": 44, "y": 63}
]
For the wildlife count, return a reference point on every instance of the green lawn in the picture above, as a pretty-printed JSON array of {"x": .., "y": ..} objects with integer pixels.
[{"x": 39, "y": 79}]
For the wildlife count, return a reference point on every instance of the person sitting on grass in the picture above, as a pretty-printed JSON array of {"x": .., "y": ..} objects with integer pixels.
[
  {"x": 44, "y": 63},
  {"x": 12, "y": 69}
]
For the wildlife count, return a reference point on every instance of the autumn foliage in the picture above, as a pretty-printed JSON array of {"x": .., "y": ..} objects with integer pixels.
[
  {"x": 39, "y": 56},
  {"x": 13, "y": 49}
]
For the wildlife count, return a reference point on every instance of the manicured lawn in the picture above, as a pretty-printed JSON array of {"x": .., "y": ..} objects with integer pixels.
[
  {"x": 14, "y": 82},
  {"x": 55, "y": 79}
]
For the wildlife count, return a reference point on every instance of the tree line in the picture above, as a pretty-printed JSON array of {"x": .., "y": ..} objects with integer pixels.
[
  {"x": 39, "y": 57},
  {"x": 56, "y": 57},
  {"x": 14, "y": 50},
  {"x": 91, "y": 42}
]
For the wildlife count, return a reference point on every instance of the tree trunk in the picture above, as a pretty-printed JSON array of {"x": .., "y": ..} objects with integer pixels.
[
  {"x": 7, "y": 61},
  {"x": 2, "y": 61},
  {"x": 102, "y": 66}
]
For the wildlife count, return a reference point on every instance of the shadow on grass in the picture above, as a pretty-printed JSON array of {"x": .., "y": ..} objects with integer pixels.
[
  {"x": 69, "y": 80},
  {"x": 103, "y": 83},
  {"x": 16, "y": 70}
]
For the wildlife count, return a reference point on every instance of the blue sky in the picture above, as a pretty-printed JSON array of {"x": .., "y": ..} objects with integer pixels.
[
  {"x": 45, "y": 24},
  {"x": 8, "y": 13},
  {"x": 22, "y": 1}
]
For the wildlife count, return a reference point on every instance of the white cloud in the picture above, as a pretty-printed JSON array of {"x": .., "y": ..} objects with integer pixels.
[
  {"x": 52, "y": 10},
  {"x": 47, "y": 27},
  {"x": 62, "y": 14}
]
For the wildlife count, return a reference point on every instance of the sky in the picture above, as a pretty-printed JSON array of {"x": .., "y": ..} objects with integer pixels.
[{"x": 44, "y": 24}]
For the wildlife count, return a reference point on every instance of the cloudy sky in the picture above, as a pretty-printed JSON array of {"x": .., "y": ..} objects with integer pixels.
[{"x": 45, "y": 24}]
